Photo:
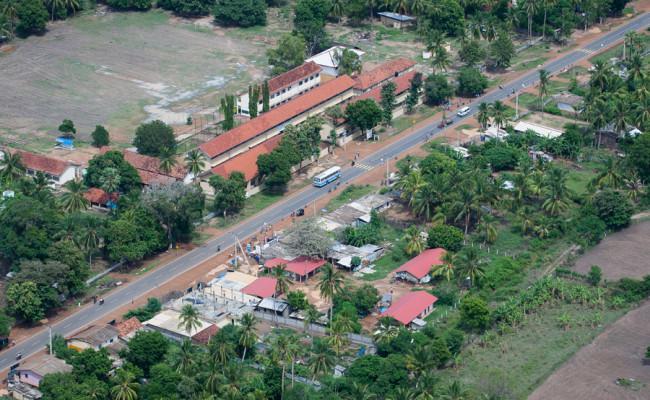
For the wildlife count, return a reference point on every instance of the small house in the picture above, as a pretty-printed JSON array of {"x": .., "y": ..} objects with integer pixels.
[
  {"x": 328, "y": 61},
  {"x": 31, "y": 372},
  {"x": 262, "y": 287},
  {"x": 417, "y": 269},
  {"x": 275, "y": 306},
  {"x": 22, "y": 391},
  {"x": 397, "y": 21},
  {"x": 303, "y": 267},
  {"x": 411, "y": 308},
  {"x": 57, "y": 171},
  {"x": 127, "y": 328},
  {"x": 94, "y": 337}
]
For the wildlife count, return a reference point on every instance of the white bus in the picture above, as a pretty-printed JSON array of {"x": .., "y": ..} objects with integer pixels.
[{"x": 327, "y": 176}]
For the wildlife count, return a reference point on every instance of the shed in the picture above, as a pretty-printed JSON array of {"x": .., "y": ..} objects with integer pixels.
[
  {"x": 271, "y": 305},
  {"x": 411, "y": 306},
  {"x": 127, "y": 328},
  {"x": 25, "y": 392},
  {"x": 539, "y": 130},
  {"x": 417, "y": 269},
  {"x": 377, "y": 202},
  {"x": 94, "y": 337},
  {"x": 395, "y": 20},
  {"x": 64, "y": 143},
  {"x": 303, "y": 267}
]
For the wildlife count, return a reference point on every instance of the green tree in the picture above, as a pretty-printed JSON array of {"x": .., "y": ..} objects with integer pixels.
[
  {"x": 289, "y": 54},
  {"x": 614, "y": 209},
  {"x": 146, "y": 349},
  {"x": 130, "y": 4},
  {"x": 110, "y": 181},
  {"x": 322, "y": 360},
  {"x": 67, "y": 127},
  {"x": 595, "y": 275},
  {"x": 413, "y": 96},
  {"x": 364, "y": 114},
  {"x": 195, "y": 163},
  {"x": 483, "y": 115},
  {"x": 168, "y": 160},
  {"x": 11, "y": 166},
  {"x": 349, "y": 61},
  {"x": 298, "y": 300},
  {"x": 470, "y": 264},
  {"x": 100, "y": 136},
  {"x": 145, "y": 313},
  {"x": 441, "y": 60},
  {"x": 499, "y": 114},
  {"x": 68, "y": 253},
  {"x": 502, "y": 50},
  {"x": 24, "y": 302},
  {"x": 330, "y": 285},
  {"x": 279, "y": 273},
  {"x": 248, "y": 338},
  {"x": 125, "y": 388},
  {"x": 447, "y": 267},
  {"x": 188, "y": 7},
  {"x": 265, "y": 96},
  {"x": 5, "y": 323},
  {"x": 472, "y": 53},
  {"x": 474, "y": 314},
  {"x": 73, "y": 199},
  {"x": 133, "y": 236},
  {"x": 153, "y": 137},
  {"x": 386, "y": 331},
  {"x": 388, "y": 100},
  {"x": 129, "y": 177},
  {"x": 229, "y": 193},
  {"x": 189, "y": 318},
  {"x": 447, "y": 237},
  {"x": 276, "y": 168},
  {"x": 544, "y": 79},
  {"x": 436, "y": 89},
  {"x": 91, "y": 363},
  {"x": 471, "y": 81},
  {"x": 228, "y": 111},
  {"x": 413, "y": 241},
  {"x": 32, "y": 16}
]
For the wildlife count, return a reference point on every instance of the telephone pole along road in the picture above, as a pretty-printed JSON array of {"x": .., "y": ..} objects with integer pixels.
[{"x": 148, "y": 282}]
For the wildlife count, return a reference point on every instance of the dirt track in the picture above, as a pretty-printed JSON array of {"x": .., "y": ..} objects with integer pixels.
[
  {"x": 616, "y": 353},
  {"x": 623, "y": 254}
]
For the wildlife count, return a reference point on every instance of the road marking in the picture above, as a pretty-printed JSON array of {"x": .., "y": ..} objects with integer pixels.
[
  {"x": 364, "y": 167},
  {"x": 196, "y": 256},
  {"x": 67, "y": 325},
  {"x": 143, "y": 285},
  {"x": 586, "y": 51},
  {"x": 83, "y": 316}
]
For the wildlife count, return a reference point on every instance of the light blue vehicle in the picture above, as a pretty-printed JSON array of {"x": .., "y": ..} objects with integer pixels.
[{"x": 327, "y": 176}]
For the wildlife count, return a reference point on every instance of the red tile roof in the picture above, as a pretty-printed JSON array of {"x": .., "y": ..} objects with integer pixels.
[
  {"x": 276, "y": 117},
  {"x": 203, "y": 337},
  {"x": 261, "y": 287},
  {"x": 295, "y": 75},
  {"x": 409, "y": 307},
  {"x": 96, "y": 195},
  {"x": 401, "y": 81},
  {"x": 149, "y": 164},
  {"x": 127, "y": 326},
  {"x": 246, "y": 161},
  {"x": 421, "y": 265},
  {"x": 41, "y": 163},
  {"x": 304, "y": 264},
  {"x": 275, "y": 261},
  {"x": 383, "y": 72}
]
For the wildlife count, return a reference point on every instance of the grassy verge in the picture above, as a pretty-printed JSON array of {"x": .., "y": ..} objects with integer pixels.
[
  {"x": 406, "y": 121},
  {"x": 526, "y": 99},
  {"x": 254, "y": 203},
  {"x": 578, "y": 180},
  {"x": 567, "y": 48},
  {"x": 531, "y": 64},
  {"x": 525, "y": 359},
  {"x": 617, "y": 51},
  {"x": 349, "y": 194},
  {"x": 578, "y": 71},
  {"x": 555, "y": 87}
]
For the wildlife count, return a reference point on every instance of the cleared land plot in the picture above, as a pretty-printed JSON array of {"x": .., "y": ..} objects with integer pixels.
[
  {"x": 617, "y": 353},
  {"x": 578, "y": 71},
  {"x": 108, "y": 68},
  {"x": 622, "y": 254}
]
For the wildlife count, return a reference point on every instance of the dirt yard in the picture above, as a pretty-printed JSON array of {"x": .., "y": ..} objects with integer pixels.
[
  {"x": 623, "y": 254},
  {"x": 615, "y": 354}
]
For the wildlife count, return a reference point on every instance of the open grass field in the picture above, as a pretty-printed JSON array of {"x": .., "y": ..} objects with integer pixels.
[
  {"x": 118, "y": 69},
  {"x": 622, "y": 254},
  {"x": 522, "y": 360},
  {"x": 615, "y": 354}
]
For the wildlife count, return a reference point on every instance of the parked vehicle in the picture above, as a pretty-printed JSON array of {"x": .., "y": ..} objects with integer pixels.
[
  {"x": 193, "y": 300},
  {"x": 4, "y": 342},
  {"x": 300, "y": 212}
]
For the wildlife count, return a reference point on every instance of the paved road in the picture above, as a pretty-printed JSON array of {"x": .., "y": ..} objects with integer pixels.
[{"x": 122, "y": 296}]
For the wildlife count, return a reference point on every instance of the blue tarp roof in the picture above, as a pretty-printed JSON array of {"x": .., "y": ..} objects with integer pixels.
[
  {"x": 65, "y": 142},
  {"x": 398, "y": 17}
]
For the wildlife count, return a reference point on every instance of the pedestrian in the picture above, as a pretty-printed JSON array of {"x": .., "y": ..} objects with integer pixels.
[
  {"x": 94, "y": 299},
  {"x": 131, "y": 300},
  {"x": 13, "y": 342}
]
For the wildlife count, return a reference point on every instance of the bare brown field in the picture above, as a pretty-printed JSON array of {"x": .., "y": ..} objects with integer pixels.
[
  {"x": 622, "y": 254},
  {"x": 615, "y": 354}
]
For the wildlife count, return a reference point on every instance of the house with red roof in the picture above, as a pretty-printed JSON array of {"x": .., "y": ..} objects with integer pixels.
[
  {"x": 262, "y": 287},
  {"x": 285, "y": 87},
  {"x": 148, "y": 169},
  {"x": 301, "y": 267},
  {"x": 376, "y": 77},
  {"x": 99, "y": 198},
  {"x": 417, "y": 269},
  {"x": 411, "y": 308},
  {"x": 128, "y": 328},
  {"x": 270, "y": 124},
  {"x": 59, "y": 172},
  {"x": 203, "y": 336}
]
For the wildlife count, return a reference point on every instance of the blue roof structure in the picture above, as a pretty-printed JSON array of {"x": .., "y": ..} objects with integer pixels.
[
  {"x": 398, "y": 17},
  {"x": 67, "y": 143}
]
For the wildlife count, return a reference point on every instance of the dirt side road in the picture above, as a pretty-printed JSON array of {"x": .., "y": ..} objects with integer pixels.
[{"x": 617, "y": 353}]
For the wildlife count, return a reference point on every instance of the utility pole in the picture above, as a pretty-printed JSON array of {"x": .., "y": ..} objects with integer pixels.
[
  {"x": 49, "y": 328},
  {"x": 314, "y": 208},
  {"x": 156, "y": 289},
  {"x": 387, "y": 173},
  {"x": 517, "y": 106}
]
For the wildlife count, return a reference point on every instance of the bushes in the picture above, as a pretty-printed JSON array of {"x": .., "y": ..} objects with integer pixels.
[
  {"x": 613, "y": 208},
  {"x": 130, "y": 4},
  {"x": 634, "y": 290},
  {"x": 505, "y": 270},
  {"x": 447, "y": 237},
  {"x": 188, "y": 7},
  {"x": 503, "y": 158},
  {"x": 446, "y": 292},
  {"x": 474, "y": 314},
  {"x": 145, "y": 313},
  {"x": 241, "y": 13}
]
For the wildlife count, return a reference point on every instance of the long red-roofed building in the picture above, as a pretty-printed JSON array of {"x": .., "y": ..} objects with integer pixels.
[
  {"x": 412, "y": 306},
  {"x": 392, "y": 69},
  {"x": 59, "y": 172},
  {"x": 417, "y": 269}
]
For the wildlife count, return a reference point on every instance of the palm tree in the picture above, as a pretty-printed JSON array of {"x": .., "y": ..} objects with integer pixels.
[
  {"x": 220, "y": 348},
  {"x": 212, "y": 376},
  {"x": 125, "y": 388},
  {"x": 280, "y": 349},
  {"x": 257, "y": 394},
  {"x": 544, "y": 79},
  {"x": 642, "y": 112},
  {"x": 543, "y": 227},
  {"x": 610, "y": 175},
  {"x": 483, "y": 115},
  {"x": 338, "y": 8},
  {"x": 195, "y": 163},
  {"x": 232, "y": 387},
  {"x": 555, "y": 200},
  {"x": 11, "y": 166},
  {"x": 292, "y": 352},
  {"x": 418, "y": 7},
  {"x": 410, "y": 184},
  {"x": 637, "y": 71},
  {"x": 620, "y": 113},
  {"x": 56, "y": 4},
  {"x": 167, "y": 160},
  {"x": 90, "y": 237},
  {"x": 599, "y": 77},
  {"x": 531, "y": 7},
  {"x": 466, "y": 203},
  {"x": 546, "y": 4},
  {"x": 634, "y": 187},
  {"x": 441, "y": 61},
  {"x": 189, "y": 318},
  {"x": 279, "y": 272},
  {"x": 455, "y": 391},
  {"x": 425, "y": 201},
  {"x": 183, "y": 357},
  {"x": 499, "y": 116},
  {"x": 387, "y": 330},
  {"x": 470, "y": 262},
  {"x": 419, "y": 360},
  {"x": 400, "y": 6},
  {"x": 402, "y": 394},
  {"x": 599, "y": 118},
  {"x": 322, "y": 361},
  {"x": 525, "y": 219},
  {"x": 488, "y": 227},
  {"x": 475, "y": 25},
  {"x": 248, "y": 337},
  {"x": 444, "y": 214},
  {"x": 347, "y": 317},
  {"x": 360, "y": 392},
  {"x": 414, "y": 243},
  {"x": 8, "y": 8},
  {"x": 330, "y": 284},
  {"x": 428, "y": 388},
  {"x": 110, "y": 180},
  {"x": 337, "y": 336},
  {"x": 447, "y": 267},
  {"x": 73, "y": 200},
  {"x": 312, "y": 316}
]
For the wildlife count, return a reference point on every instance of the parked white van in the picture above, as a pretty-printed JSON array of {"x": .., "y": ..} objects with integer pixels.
[{"x": 463, "y": 112}]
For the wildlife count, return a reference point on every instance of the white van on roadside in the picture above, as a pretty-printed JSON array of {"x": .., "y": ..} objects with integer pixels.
[{"x": 463, "y": 112}]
